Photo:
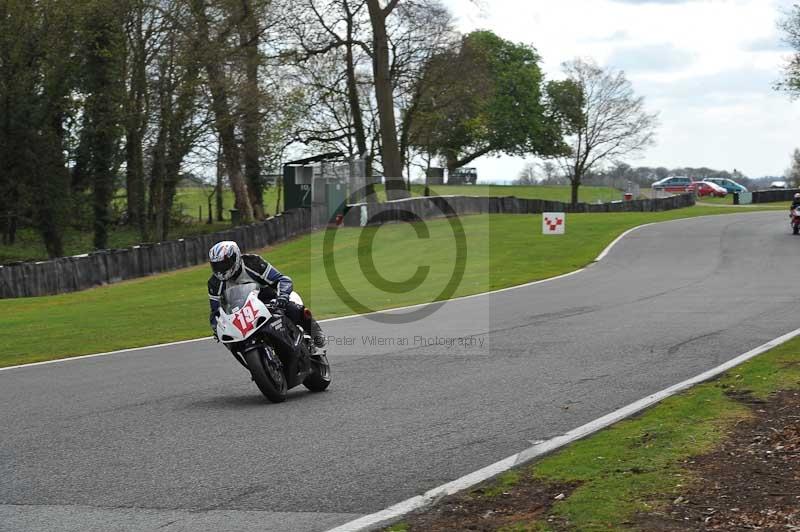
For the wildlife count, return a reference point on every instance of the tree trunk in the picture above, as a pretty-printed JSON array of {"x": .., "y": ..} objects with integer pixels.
[
  {"x": 157, "y": 177},
  {"x": 358, "y": 116},
  {"x": 251, "y": 106},
  {"x": 220, "y": 104},
  {"x": 172, "y": 166},
  {"x": 136, "y": 123},
  {"x": 233, "y": 168},
  {"x": 220, "y": 205},
  {"x": 575, "y": 183},
  {"x": 452, "y": 163},
  {"x": 279, "y": 195},
  {"x": 220, "y": 188},
  {"x": 7, "y": 182},
  {"x": 428, "y": 176},
  {"x": 52, "y": 186},
  {"x": 354, "y": 100},
  {"x": 390, "y": 149},
  {"x": 134, "y": 179},
  {"x": 179, "y": 111},
  {"x": 102, "y": 193},
  {"x": 104, "y": 71}
]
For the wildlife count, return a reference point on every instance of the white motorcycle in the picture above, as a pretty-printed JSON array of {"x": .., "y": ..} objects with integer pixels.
[{"x": 277, "y": 352}]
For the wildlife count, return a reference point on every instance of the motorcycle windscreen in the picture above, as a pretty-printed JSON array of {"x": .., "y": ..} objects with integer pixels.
[{"x": 236, "y": 295}]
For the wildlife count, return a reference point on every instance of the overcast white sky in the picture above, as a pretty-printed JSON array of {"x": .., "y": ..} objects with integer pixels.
[{"x": 707, "y": 66}]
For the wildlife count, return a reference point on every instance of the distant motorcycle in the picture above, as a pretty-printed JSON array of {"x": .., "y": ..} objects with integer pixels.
[
  {"x": 277, "y": 352},
  {"x": 795, "y": 220}
]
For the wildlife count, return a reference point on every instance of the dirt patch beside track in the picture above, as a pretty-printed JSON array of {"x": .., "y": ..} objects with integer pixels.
[{"x": 751, "y": 482}]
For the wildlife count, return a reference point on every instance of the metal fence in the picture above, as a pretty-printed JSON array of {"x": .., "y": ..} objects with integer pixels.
[
  {"x": 437, "y": 206},
  {"x": 774, "y": 195}
]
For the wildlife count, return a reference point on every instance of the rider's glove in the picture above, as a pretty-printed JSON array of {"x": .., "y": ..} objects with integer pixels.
[{"x": 282, "y": 303}]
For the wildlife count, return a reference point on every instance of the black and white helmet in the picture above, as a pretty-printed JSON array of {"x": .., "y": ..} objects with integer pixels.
[
  {"x": 226, "y": 260},
  {"x": 797, "y": 196}
]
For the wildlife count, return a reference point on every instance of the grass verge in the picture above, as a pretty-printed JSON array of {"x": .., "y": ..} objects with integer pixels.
[
  {"x": 636, "y": 466},
  {"x": 502, "y": 251}
]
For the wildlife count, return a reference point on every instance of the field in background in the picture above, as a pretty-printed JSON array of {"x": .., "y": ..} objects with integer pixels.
[
  {"x": 191, "y": 200},
  {"x": 727, "y": 200},
  {"x": 502, "y": 251},
  {"x": 586, "y": 194}
]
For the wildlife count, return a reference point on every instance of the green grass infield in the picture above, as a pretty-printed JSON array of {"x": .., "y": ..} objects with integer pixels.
[{"x": 409, "y": 264}]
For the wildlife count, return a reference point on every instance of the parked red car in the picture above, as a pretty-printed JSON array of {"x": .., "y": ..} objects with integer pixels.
[{"x": 706, "y": 188}]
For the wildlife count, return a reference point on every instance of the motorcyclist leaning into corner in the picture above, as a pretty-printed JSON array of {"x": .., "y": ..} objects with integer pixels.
[
  {"x": 229, "y": 265},
  {"x": 795, "y": 202}
]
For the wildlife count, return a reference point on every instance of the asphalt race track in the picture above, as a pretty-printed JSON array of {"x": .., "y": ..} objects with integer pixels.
[{"x": 178, "y": 438}]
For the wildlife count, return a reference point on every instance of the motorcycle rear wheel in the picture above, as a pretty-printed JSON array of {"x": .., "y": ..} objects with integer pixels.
[
  {"x": 268, "y": 375},
  {"x": 795, "y": 229},
  {"x": 320, "y": 379}
]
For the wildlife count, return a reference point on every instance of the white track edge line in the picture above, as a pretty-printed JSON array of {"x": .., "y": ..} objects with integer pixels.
[
  {"x": 387, "y": 516},
  {"x": 600, "y": 257},
  {"x": 95, "y": 355}
]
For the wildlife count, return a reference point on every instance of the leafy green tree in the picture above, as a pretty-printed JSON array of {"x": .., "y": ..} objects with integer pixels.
[
  {"x": 38, "y": 49},
  {"x": 488, "y": 96}
]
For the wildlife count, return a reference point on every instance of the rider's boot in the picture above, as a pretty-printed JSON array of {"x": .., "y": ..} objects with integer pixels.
[
  {"x": 313, "y": 329},
  {"x": 316, "y": 333}
]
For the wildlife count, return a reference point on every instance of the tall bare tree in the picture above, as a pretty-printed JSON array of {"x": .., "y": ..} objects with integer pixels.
[
  {"x": 550, "y": 173},
  {"x": 211, "y": 48},
  {"x": 792, "y": 173},
  {"x": 180, "y": 119},
  {"x": 252, "y": 16},
  {"x": 144, "y": 32},
  {"x": 615, "y": 123},
  {"x": 332, "y": 49},
  {"x": 336, "y": 52},
  {"x": 384, "y": 95},
  {"x": 103, "y": 113},
  {"x": 790, "y": 26},
  {"x": 528, "y": 175}
]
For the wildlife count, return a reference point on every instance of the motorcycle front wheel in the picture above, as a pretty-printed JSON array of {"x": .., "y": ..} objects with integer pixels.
[{"x": 267, "y": 373}]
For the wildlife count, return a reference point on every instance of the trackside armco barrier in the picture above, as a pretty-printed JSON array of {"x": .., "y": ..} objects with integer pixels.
[
  {"x": 436, "y": 206},
  {"x": 773, "y": 195},
  {"x": 71, "y": 274}
]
